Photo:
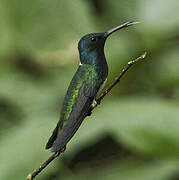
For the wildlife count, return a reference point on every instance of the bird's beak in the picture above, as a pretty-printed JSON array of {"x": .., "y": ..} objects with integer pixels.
[{"x": 106, "y": 34}]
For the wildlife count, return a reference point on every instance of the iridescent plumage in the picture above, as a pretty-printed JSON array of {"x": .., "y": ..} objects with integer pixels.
[{"x": 83, "y": 89}]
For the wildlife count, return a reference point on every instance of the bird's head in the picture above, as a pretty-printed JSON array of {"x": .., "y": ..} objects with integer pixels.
[
  {"x": 94, "y": 42},
  {"x": 91, "y": 42}
]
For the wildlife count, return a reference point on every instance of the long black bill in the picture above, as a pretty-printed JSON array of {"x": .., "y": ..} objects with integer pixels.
[{"x": 119, "y": 27}]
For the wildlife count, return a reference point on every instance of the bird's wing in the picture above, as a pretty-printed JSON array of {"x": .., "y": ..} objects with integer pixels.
[{"x": 85, "y": 98}]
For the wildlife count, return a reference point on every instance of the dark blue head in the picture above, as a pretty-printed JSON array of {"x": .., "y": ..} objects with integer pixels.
[
  {"x": 91, "y": 46},
  {"x": 92, "y": 42}
]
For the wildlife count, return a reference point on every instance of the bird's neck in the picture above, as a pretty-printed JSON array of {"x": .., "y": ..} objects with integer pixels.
[
  {"x": 97, "y": 60},
  {"x": 95, "y": 57}
]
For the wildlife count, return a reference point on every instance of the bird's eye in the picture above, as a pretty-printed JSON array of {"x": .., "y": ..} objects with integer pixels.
[{"x": 93, "y": 39}]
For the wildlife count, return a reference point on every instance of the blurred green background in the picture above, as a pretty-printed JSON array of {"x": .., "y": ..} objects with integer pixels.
[{"x": 134, "y": 133}]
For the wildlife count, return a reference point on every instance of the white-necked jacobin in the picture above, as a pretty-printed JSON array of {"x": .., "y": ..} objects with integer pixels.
[{"x": 84, "y": 87}]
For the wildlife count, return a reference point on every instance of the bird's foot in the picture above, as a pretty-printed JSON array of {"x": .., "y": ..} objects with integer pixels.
[
  {"x": 94, "y": 104},
  {"x": 89, "y": 112}
]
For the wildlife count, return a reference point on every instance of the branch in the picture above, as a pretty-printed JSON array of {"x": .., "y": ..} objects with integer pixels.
[
  {"x": 117, "y": 80},
  {"x": 98, "y": 100},
  {"x": 37, "y": 171}
]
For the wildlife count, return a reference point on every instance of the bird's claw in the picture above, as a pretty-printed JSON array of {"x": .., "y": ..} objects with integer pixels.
[{"x": 89, "y": 112}]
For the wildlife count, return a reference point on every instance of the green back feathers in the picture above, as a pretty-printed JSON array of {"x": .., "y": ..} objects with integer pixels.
[{"x": 85, "y": 73}]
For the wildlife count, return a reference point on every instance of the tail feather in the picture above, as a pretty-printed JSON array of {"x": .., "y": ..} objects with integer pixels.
[
  {"x": 66, "y": 134},
  {"x": 54, "y": 135},
  {"x": 71, "y": 126}
]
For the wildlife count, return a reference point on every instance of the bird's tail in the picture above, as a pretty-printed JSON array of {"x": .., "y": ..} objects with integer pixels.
[{"x": 54, "y": 135}]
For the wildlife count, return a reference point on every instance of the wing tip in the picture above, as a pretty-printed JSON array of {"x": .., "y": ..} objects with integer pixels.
[
  {"x": 48, "y": 146},
  {"x": 50, "y": 142},
  {"x": 53, "y": 136}
]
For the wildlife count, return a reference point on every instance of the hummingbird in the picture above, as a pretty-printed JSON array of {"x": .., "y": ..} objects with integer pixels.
[{"x": 84, "y": 87}]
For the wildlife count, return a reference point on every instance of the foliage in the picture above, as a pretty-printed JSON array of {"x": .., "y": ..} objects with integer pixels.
[{"x": 38, "y": 57}]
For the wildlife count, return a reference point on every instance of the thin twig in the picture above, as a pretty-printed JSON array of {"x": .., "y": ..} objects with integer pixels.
[
  {"x": 52, "y": 157},
  {"x": 37, "y": 171},
  {"x": 117, "y": 80}
]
